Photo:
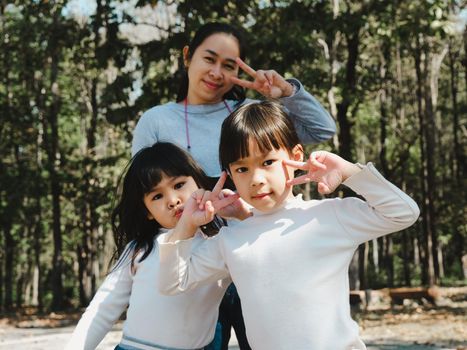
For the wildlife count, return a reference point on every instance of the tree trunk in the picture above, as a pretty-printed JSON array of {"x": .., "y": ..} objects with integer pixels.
[
  {"x": 92, "y": 214},
  {"x": 383, "y": 93},
  {"x": 345, "y": 125},
  {"x": 89, "y": 243},
  {"x": 9, "y": 265},
  {"x": 431, "y": 97},
  {"x": 345, "y": 138},
  {"x": 38, "y": 232},
  {"x": 427, "y": 263},
  {"x": 37, "y": 298},
  {"x": 459, "y": 162},
  {"x": 406, "y": 259},
  {"x": 2, "y": 283},
  {"x": 440, "y": 261},
  {"x": 465, "y": 59},
  {"x": 51, "y": 140},
  {"x": 354, "y": 281},
  {"x": 389, "y": 260},
  {"x": 363, "y": 265},
  {"x": 330, "y": 53},
  {"x": 29, "y": 273},
  {"x": 19, "y": 290},
  {"x": 375, "y": 255},
  {"x": 57, "y": 259},
  {"x": 84, "y": 287}
]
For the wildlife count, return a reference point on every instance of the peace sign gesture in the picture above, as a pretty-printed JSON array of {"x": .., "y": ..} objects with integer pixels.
[
  {"x": 327, "y": 169},
  {"x": 203, "y": 204},
  {"x": 269, "y": 83},
  {"x": 227, "y": 203}
]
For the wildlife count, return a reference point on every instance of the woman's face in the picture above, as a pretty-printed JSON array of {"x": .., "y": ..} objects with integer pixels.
[{"x": 210, "y": 68}]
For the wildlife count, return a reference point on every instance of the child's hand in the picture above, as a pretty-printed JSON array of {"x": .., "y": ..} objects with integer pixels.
[
  {"x": 203, "y": 205},
  {"x": 227, "y": 203},
  {"x": 238, "y": 209},
  {"x": 327, "y": 169},
  {"x": 197, "y": 211},
  {"x": 269, "y": 83}
]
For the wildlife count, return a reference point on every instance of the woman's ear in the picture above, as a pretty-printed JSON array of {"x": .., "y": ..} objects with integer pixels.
[
  {"x": 298, "y": 153},
  {"x": 186, "y": 60}
]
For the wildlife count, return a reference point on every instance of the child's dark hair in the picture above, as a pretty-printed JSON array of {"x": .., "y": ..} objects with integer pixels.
[
  {"x": 203, "y": 32},
  {"x": 145, "y": 170},
  {"x": 266, "y": 123}
]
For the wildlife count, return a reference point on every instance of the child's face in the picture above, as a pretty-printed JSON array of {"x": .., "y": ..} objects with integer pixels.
[
  {"x": 261, "y": 178},
  {"x": 166, "y": 200}
]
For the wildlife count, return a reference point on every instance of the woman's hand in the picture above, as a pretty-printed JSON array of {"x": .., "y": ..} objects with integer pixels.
[
  {"x": 326, "y": 168},
  {"x": 269, "y": 83}
]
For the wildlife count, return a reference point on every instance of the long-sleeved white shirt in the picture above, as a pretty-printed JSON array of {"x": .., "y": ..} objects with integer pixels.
[
  {"x": 153, "y": 320},
  {"x": 167, "y": 123},
  {"x": 290, "y": 266}
]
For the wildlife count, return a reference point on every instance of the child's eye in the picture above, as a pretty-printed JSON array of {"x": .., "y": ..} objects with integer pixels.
[
  {"x": 241, "y": 170},
  {"x": 179, "y": 185},
  {"x": 209, "y": 59},
  {"x": 268, "y": 162},
  {"x": 156, "y": 196},
  {"x": 229, "y": 67}
]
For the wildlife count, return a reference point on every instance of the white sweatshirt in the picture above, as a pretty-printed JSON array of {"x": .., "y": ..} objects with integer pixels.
[
  {"x": 153, "y": 320},
  {"x": 290, "y": 266}
]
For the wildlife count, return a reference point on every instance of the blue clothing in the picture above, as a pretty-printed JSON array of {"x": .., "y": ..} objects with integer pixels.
[{"x": 138, "y": 344}]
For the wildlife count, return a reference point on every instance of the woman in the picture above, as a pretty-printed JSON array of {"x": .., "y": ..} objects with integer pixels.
[{"x": 209, "y": 91}]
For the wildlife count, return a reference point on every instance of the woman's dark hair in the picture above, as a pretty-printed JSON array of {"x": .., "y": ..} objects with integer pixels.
[
  {"x": 265, "y": 122},
  {"x": 203, "y": 32},
  {"x": 145, "y": 170}
]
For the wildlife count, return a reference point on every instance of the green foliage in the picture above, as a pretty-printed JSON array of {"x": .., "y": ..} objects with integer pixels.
[{"x": 103, "y": 81}]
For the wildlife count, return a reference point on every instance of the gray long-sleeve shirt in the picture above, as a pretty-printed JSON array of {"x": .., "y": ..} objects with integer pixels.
[{"x": 167, "y": 123}]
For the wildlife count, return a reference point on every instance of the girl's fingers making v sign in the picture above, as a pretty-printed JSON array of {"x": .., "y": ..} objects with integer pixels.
[
  {"x": 203, "y": 204},
  {"x": 227, "y": 203},
  {"x": 327, "y": 169},
  {"x": 221, "y": 198},
  {"x": 267, "y": 82},
  {"x": 198, "y": 209}
]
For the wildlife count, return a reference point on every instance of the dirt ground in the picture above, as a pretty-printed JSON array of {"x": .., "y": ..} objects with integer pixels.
[{"x": 415, "y": 325}]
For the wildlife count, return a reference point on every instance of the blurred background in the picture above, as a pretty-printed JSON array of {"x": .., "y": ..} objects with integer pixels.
[{"x": 76, "y": 75}]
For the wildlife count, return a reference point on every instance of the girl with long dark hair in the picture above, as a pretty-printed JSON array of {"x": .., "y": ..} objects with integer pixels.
[{"x": 156, "y": 184}]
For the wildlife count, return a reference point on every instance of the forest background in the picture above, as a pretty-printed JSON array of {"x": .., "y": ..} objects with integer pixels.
[{"x": 76, "y": 75}]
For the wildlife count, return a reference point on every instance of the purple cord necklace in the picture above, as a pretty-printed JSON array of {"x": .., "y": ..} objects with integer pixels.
[{"x": 187, "y": 131}]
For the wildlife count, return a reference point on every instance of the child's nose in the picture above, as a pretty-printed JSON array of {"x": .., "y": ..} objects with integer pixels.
[
  {"x": 257, "y": 178},
  {"x": 173, "y": 202}
]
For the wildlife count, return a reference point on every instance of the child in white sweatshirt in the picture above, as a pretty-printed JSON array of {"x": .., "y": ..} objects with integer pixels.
[
  {"x": 157, "y": 183},
  {"x": 290, "y": 259}
]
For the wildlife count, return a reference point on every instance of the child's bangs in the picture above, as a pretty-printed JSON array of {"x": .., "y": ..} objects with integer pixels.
[
  {"x": 159, "y": 166},
  {"x": 150, "y": 178},
  {"x": 268, "y": 138},
  {"x": 255, "y": 125}
]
